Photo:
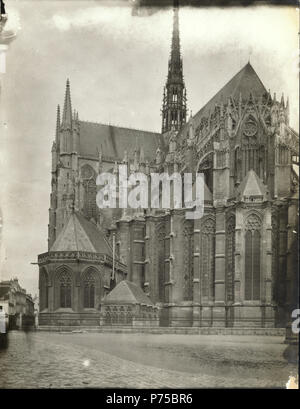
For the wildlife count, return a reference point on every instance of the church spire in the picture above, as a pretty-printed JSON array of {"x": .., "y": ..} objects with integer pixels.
[
  {"x": 174, "y": 98},
  {"x": 175, "y": 61},
  {"x": 67, "y": 112},
  {"x": 57, "y": 126}
]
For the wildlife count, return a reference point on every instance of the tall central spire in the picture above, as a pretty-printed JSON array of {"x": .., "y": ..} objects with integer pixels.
[
  {"x": 175, "y": 63},
  {"x": 174, "y": 99}
]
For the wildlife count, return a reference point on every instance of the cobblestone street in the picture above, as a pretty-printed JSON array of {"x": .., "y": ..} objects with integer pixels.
[{"x": 97, "y": 360}]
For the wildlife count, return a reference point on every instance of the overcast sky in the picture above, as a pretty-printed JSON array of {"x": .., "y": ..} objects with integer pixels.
[{"x": 117, "y": 65}]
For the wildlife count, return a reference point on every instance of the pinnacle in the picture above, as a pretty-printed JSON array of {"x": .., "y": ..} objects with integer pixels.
[
  {"x": 67, "y": 112},
  {"x": 57, "y": 122}
]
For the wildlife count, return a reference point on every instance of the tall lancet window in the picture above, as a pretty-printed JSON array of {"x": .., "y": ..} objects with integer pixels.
[
  {"x": 252, "y": 258},
  {"x": 160, "y": 248},
  {"x": 230, "y": 249},
  {"x": 188, "y": 261},
  {"x": 89, "y": 290},
  {"x": 90, "y": 199},
  {"x": 275, "y": 256},
  {"x": 90, "y": 192},
  {"x": 65, "y": 284},
  {"x": 207, "y": 258}
]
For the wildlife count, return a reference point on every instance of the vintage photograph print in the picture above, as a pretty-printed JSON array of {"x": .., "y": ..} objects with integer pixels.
[{"x": 149, "y": 181}]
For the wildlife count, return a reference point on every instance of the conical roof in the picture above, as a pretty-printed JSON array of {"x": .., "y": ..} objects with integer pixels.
[
  {"x": 79, "y": 234},
  {"x": 127, "y": 292}
]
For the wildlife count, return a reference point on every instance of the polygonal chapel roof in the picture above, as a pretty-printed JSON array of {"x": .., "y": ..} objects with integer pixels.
[{"x": 80, "y": 234}]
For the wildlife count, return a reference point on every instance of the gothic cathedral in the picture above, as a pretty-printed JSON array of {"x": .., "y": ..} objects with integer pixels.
[{"x": 234, "y": 267}]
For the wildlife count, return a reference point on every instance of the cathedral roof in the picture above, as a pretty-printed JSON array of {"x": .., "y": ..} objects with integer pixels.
[
  {"x": 246, "y": 81},
  {"x": 79, "y": 234},
  {"x": 252, "y": 185},
  {"x": 127, "y": 292},
  {"x": 114, "y": 140}
]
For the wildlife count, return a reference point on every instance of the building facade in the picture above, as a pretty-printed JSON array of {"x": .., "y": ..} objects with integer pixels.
[
  {"x": 234, "y": 267},
  {"x": 17, "y": 304}
]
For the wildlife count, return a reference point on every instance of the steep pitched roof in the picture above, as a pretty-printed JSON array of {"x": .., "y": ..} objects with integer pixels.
[
  {"x": 79, "y": 234},
  {"x": 252, "y": 185},
  {"x": 127, "y": 292},
  {"x": 244, "y": 82},
  {"x": 114, "y": 140}
]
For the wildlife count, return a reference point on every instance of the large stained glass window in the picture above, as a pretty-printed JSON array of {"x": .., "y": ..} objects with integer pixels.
[
  {"x": 188, "y": 262},
  {"x": 252, "y": 258},
  {"x": 89, "y": 290},
  {"x": 160, "y": 236},
  {"x": 65, "y": 282},
  {"x": 230, "y": 249},
  {"x": 90, "y": 207},
  {"x": 207, "y": 258},
  {"x": 90, "y": 191}
]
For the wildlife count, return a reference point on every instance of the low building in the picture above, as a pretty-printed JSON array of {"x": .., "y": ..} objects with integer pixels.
[
  {"x": 17, "y": 304},
  {"x": 127, "y": 304}
]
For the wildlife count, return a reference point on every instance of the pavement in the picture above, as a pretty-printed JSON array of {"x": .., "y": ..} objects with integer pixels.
[{"x": 105, "y": 360}]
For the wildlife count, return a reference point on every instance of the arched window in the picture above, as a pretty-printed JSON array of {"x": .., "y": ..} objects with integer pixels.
[
  {"x": 230, "y": 250},
  {"x": 275, "y": 256},
  {"x": 90, "y": 208},
  {"x": 65, "y": 285},
  {"x": 160, "y": 246},
  {"x": 207, "y": 259},
  {"x": 252, "y": 258},
  {"x": 89, "y": 290},
  {"x": 90, "y": 192},
  {"x": 43, "y": 284},
  {"x": 237, "y": 165},
  {"x": 206, "y": 167},
  {"x": 188, "y": 273}
]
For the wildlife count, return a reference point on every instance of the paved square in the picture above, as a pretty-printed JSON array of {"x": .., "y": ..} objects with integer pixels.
[{"x": 98, "y": 360}]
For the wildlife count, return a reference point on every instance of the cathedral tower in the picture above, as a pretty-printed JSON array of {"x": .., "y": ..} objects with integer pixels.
[{"x": 174, "y": 98}]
